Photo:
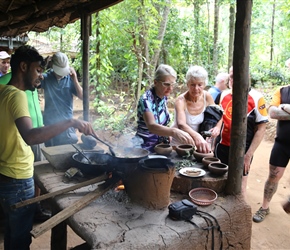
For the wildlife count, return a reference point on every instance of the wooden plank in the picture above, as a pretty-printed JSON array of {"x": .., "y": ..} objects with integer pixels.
[
  {"x": 62, "y": 191},
  {"x": 75, "y": 207}
]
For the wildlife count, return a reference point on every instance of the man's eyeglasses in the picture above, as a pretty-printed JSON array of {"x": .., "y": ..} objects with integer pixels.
[{"x": 169, "y": 85}]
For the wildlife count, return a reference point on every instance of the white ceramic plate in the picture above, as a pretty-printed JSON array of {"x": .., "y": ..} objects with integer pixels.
[
  {"x": 157, "y": 156},
  {"x": 186, "y": 172}
]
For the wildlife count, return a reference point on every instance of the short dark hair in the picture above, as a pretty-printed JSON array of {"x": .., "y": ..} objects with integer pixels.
[{"x": 25, "y": 53}]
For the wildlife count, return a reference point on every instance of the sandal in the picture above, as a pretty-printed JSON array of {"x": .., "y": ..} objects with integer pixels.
[{"x": 260, "y": 215}]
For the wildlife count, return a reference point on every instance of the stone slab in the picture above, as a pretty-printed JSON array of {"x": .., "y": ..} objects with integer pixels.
[
  {"x": 60, "y": 157},
  {"x": 114, "y": 222}
]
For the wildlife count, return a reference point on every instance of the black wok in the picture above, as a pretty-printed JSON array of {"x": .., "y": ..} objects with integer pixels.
[
  {"x": 125, "y": 161},
  {"x": 101, "y": 163}
]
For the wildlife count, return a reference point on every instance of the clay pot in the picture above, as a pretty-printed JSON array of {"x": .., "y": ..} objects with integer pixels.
[
  {"x": 149, "y": 184},
  {"x": 184, "y": 150},
  {"x": 199, "y": 156},
  {"x": 207, "y": 160},
  {"x": 163, "y": 149},
  {"x": 218, "y": 168}
]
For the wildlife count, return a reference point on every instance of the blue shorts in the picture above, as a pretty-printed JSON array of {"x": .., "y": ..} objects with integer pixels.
[
  {"x": 18, "y": 222},
  {"x": 280, "y": 154}
]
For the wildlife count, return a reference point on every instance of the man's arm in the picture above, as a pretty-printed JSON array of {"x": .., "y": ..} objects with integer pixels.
[
  {"x": 258, "y": 137},
  {"x": 77, "y": 85},
  {"x": 282, "y": 112},
  {"x": 39, "y": 135}
]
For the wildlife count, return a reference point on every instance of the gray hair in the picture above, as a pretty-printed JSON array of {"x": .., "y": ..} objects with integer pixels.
[
  {"x": 196, "y": 72},
  {"x": 164, "y": 70},
  {"x": 221, "y": 77}
]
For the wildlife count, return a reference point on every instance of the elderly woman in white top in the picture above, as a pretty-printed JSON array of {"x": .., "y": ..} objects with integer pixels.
[{"x": 190, "y": 107}]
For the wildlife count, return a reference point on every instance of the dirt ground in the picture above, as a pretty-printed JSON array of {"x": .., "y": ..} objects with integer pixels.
[{"x": 271, "y": 234}]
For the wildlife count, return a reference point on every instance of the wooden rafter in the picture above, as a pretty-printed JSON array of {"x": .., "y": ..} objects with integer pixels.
[{"x": 39, "y": 16}]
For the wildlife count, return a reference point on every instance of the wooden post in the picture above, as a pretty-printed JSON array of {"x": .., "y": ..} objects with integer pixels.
[
  {"x": 86, "y": 32},
  {"x": 240, "y": 96}
]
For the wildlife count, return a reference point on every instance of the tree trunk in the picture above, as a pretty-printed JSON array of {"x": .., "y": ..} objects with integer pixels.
[
  {"x": 86, "y": 32},
  {"x": 61, "y": 42},
  {"x": 208, "y": 34},
  {"x": 140, "y": 74},
  {"x": 240, "y": 96},
  {"x": 272, "y": 32},
  {"x": 98, "y": 44},
  {"x": 142, "y": 53},
  {"x": 196, "y": 52},
  {"x": 215, "y": 37},
  {"x": 160, "y": 38},
  {"x": 143, "y": 39},
  {"x": 231, "y": 34}
]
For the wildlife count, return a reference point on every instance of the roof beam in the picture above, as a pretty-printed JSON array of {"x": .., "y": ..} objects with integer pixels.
[
  {"x": 33, "y": 21},
  {"x": 74, "y": 13},
  {"x": 27, "y": 11}
]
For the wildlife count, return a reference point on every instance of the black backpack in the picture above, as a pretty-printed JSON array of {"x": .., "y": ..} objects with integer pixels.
[{"x": 212, "y": 114}]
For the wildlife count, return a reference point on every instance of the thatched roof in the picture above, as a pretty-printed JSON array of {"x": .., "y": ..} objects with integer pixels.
[{"x": 21, "y": 16}]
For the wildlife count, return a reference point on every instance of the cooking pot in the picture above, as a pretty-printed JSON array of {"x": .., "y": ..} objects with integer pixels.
[
  {"x": 101, "y": 163},
  {"x": 125, "y": 161}
]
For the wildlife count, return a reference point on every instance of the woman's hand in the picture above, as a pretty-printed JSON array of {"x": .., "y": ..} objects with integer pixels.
[
  {"x": 247, "y": 163},
  {"x": 201, "y": 144},
  {"x": 182, "y": 136},
  {"x": 215, "y": 131}
]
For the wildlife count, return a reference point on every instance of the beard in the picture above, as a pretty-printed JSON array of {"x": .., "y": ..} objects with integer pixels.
[{"x": 28, "y": 82}]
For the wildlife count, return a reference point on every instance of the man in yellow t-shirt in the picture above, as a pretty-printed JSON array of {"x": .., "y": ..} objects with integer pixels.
[
  {"x": 16, "y": 156},
  {"x": 17, "y": 135}
]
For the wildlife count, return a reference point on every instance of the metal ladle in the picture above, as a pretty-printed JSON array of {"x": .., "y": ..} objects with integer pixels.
[
  {"x": 109, "y": 146},
  {"x": 82, "y": 153}
]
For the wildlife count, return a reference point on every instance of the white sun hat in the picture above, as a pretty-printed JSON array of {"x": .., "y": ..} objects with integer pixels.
[{"x": 60, "y": 64}]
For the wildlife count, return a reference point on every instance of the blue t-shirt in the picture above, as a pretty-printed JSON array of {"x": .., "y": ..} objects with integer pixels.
[
  {"x": 214, "y": 91},
  {"x": 58, "y": 97}
]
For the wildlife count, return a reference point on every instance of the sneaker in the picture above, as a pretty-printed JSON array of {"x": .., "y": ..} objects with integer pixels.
[{"x": 260, "y": 215}]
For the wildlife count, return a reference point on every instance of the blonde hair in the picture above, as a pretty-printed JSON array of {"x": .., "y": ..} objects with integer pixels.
[{"x": 164, "y": 70}]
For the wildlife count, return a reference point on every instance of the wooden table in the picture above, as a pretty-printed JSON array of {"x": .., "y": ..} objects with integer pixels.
[{"x": 113, "y": 222}]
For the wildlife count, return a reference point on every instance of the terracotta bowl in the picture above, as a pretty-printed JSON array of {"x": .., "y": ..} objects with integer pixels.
[
  {"x": 184, "y": 150},
  {"x": 207, "y": 160},
  {"x": 218, "y": 168},
  {"x": 163, "y": 149},
  {"x": 199, "y": 156},
  {"x": 202, "y": 196}
]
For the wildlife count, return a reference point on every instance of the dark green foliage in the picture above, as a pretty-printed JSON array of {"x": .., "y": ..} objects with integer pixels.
[{"x": 265, "y": 76}]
